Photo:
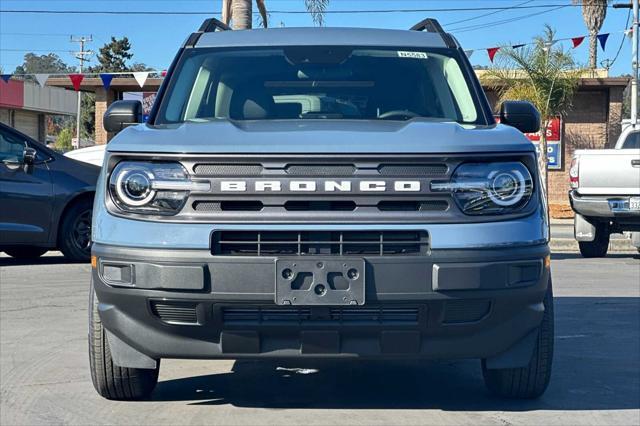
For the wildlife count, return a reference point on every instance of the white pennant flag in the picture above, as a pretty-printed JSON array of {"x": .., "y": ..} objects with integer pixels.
[
  {"x": 469, "y": 53},
  {"x": 141, "y": 77},
  {"x": 41, "y": 79}
]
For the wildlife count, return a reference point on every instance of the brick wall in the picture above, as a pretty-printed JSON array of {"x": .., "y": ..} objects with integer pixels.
[{"x": 103, "y": 100}]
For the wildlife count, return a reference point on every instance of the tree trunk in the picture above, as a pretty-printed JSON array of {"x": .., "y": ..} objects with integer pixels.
[
  {"x": 542, "y": 158},
  {"x": 241, "y": 14},
  {"x": 593, "y": 51}
]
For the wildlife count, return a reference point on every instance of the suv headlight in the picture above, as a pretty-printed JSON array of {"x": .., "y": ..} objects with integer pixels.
[
  {"x": 489, "y": 188},
  {"x": 151, "y": 188}
]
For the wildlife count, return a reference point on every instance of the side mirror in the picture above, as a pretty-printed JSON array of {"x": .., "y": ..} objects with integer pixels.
[
  {"x": 121, "y": 114},
  {"x": 29, "y": 156},
  {"x": 521, "y": 115}
]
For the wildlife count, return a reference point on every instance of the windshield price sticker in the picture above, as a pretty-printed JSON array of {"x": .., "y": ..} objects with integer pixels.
[{"x": 414, "y": 55}]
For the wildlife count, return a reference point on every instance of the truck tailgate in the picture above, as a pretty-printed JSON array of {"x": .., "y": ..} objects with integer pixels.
[{"x": 609, "y": 172}]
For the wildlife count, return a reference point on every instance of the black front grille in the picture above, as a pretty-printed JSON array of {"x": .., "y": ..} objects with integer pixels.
[
  {"x": 333, "y": 315},
  {"x": 175, "y": 312},
  {"x": 339, "y": 243}
]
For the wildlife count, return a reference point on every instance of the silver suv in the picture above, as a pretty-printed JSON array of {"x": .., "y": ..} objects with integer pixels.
[{"x": 320, "y": 192}]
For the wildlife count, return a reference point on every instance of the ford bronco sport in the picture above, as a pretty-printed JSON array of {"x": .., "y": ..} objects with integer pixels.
[{"x": 320, "y": 192}]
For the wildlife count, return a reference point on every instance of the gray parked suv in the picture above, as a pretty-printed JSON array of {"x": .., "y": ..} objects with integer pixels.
[{"x": 326, "y": 192}]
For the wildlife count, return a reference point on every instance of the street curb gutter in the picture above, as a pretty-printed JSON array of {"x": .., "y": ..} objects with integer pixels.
[{"x": 571, "y": 245}]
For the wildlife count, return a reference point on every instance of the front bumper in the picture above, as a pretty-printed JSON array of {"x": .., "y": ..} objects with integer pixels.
[{"x": 472, "y": 303}]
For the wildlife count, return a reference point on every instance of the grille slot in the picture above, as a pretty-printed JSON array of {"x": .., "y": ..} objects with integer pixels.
[
  {"x": 320, "y": 206},
  {"x": 300, "y": 243},
  {"x": 346, "y": 315},
  {"x": 320, "y": 170},
  {"x": 228, "y": 169},
  {"x": 175, "y": 312},
  {"x": 461, "y": 311},
  {"x": 225, "y": 206},
  {"x": 413, "y": 206},
  {"x": 413, "y": 169}
]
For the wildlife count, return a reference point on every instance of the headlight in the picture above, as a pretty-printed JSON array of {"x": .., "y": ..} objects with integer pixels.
[
  {"x": 152, "y": 188},
  {"x": 489, "y": 188}
]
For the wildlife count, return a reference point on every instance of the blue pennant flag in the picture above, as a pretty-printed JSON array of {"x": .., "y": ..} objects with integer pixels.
[
  {"x": 5, "y": 77},
  {"x": 517, "y": 46},
  {"x": 602, "y": 38},
  {"x": 106, "y": 80}
]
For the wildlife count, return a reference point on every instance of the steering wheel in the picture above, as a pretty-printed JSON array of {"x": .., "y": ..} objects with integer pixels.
[{"x": 398, "y": 113}]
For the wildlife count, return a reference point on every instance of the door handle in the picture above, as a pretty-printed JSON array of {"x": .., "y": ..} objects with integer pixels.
[{"x": 635, "y": 163}]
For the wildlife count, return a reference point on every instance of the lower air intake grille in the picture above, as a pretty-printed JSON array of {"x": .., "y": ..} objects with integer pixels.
[
  {"x": 377, "y": 315},
  {"x": 339, "y": 243},
  {"x": 461, "y": 311},
  {"x": 175, "y": 312}
]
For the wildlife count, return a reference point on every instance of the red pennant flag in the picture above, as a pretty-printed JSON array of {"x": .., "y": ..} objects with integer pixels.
[
  {"x": 492, "y": 52},
  {"x": 76, "y": 80},
  {"x": 577, "y": 41},
  {"x": 164, "y": 73}
]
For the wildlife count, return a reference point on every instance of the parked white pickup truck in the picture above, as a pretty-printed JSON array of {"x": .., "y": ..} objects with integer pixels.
[{"x": 605, "y": 193}]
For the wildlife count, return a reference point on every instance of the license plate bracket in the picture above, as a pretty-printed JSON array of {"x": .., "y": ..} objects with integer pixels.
[{"x": 320, "y": 281}]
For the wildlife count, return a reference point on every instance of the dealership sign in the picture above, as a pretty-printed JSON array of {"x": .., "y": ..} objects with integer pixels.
[{"x": 554, "y": 142}]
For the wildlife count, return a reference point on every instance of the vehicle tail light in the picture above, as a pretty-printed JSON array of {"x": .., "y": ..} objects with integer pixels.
[{"x": 574, "y": 173}]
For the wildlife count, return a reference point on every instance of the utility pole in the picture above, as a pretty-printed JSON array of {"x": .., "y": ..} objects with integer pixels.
[
  {"x": 82, "y": 56},
  {"x": 635, "y": 58}
]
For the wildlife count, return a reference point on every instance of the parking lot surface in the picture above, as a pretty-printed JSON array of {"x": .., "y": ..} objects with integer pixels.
[{"x": 44, "y": 374}]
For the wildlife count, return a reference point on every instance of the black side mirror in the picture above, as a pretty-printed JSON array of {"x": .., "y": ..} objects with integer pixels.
[
  {"x": 121, "y": 114},
  {"x": 29, "y": 156},
  {"x": 521, "y": 115}
]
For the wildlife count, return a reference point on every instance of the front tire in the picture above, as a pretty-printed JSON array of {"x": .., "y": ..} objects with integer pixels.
[
  {"x": 600, "y": 244},
  {"x": 531, "y": 381},
  {"x": 74, "y": 239},
  {"x": 109, "y": 380},
  {"x": 26, "y": 252}
]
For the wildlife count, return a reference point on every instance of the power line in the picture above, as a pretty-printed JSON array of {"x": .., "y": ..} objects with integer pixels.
[
  {"x": 503, "y": 21},
  {"x": 290, "y": 12},
  {"x": 483, "y": 15}
]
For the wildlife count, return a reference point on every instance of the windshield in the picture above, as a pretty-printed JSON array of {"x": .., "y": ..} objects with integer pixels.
[{"x": 294, "y": 83}]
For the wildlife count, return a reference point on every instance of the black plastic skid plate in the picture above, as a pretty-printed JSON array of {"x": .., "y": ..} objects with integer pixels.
[{"x": 320, "y": 281}]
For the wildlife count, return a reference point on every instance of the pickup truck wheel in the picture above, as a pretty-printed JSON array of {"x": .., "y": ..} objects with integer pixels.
[
  {"x": 109, "y": 380},
  {"x": 531, "y": 381},
  {"x": 600, "y": 244},
  {"x": 74, "y": 239},
  {"x": 25, "y": 252}
]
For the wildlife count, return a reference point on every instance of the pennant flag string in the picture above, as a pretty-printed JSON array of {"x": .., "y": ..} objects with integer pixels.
[
  {"x": 141, "y": 77},
  {"x": 577, "y": 41},
  {"x": 492, "y": 52},
  {"x": 602, "y": 38},
  {"x": 106, "y": 80},
  {"x": 76, "y": 80}
]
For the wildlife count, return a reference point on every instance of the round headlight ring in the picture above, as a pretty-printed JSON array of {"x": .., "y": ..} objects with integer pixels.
[
  {"x": 515, "y": 194},
  {"x": 124, "y": 189}
]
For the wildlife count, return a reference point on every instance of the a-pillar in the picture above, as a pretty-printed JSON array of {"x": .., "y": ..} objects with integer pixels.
[{"x": 103, "y": 100}]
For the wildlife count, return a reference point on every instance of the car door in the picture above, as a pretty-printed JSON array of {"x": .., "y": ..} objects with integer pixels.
[{"x": 26, "y": 192}]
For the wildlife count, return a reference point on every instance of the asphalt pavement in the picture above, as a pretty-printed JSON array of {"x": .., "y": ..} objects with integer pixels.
[{"x": 44, "y": 374}]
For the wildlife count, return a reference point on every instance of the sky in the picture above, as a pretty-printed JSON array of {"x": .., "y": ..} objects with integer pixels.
[{"x": 156, "y": 38}]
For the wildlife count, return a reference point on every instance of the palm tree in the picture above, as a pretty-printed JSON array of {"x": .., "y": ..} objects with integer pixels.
[
  {"x": 241, "y": 11},
  {"x": 594, "y": 13},
  {"x": 544, "y": 74}
]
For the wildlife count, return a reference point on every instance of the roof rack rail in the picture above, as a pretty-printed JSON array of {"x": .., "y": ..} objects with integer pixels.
[
  {"x": 212, "y": 24},
  {"x": 430, "y": 25}
]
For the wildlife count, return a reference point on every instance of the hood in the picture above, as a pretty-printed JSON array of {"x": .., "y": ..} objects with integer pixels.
[
  {"x": 320, "y": 137},
  {"x": 92, "y": 154}
]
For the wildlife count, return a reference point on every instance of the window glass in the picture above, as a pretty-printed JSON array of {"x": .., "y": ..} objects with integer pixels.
[
  {"x": 319, "y": 83},
  {"x": 11, "y": 148},
  {"x": 632, "y": 141}
]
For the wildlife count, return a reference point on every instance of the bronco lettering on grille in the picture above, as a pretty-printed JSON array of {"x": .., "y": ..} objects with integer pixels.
[{"x": 325, "y": 186}]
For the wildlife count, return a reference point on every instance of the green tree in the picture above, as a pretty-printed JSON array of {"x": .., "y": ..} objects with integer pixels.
[
  {"x": 113, "y": 56},
  {"x": 544, "y": 74},
  {"x": 594, "y": 12},
  {"x": 46, "y": 64},
  {"x": 63, "y": 142}
]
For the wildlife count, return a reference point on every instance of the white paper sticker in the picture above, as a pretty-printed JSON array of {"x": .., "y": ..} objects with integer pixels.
[{"x": 415, "y": 55}]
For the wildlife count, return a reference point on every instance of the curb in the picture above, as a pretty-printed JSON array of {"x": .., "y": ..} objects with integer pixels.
[{"x": 571, "y": 245}]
